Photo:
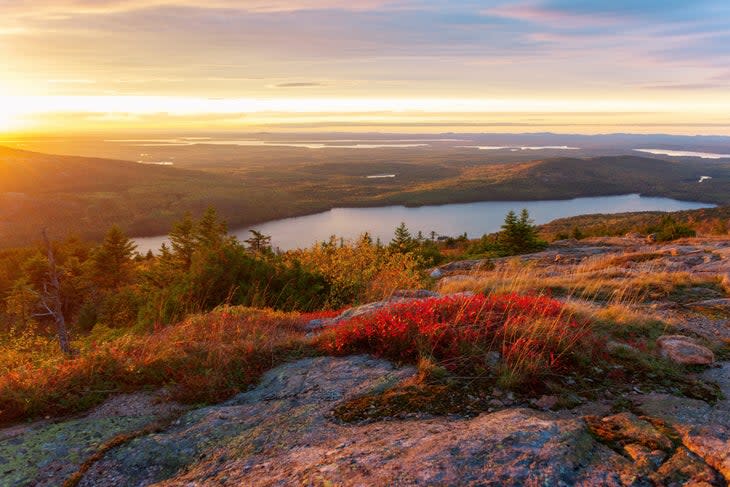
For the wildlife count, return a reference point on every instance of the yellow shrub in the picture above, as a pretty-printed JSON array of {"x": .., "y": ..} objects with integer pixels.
[{"x": 359, "y": 271}]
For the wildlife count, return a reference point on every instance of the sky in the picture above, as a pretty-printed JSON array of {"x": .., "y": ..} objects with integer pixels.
[{"x": 378, "y": 65}]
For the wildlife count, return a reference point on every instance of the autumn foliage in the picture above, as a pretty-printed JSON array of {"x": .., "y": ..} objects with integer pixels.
[
  {"x": 532, "y": 335},
  {"x": 204, "y": 358}
]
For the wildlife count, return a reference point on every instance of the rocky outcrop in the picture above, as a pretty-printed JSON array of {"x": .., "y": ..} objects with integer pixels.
[
  {"x": 283, "y": 433},
  {"x": 45, "y": 453},
  {"x": 399, "y": 296},
  {"x": 684, "y": 350}
]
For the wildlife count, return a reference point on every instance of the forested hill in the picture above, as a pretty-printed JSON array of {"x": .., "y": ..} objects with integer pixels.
[
  {"x": 560, "y": 178},
  {"x": 33, "y": 172},
  {"x": 84, "y": 196}
]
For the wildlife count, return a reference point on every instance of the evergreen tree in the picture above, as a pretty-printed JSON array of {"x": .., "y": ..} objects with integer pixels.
[
  {"x": 576, "y": 233},
  {"x": 519, "y": 234},
  {"x": 670, "y": 229},
  {"x": 403, "y": 241},
  {"x": 112, "y": 260},
  {"x": 210, "y": 232},
  {"x": 258, "y": 242},
  {"x": 21, "y": 302},
  {"x": 183, "y": 240}
]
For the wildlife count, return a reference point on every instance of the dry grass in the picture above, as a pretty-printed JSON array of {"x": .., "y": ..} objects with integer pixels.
[
  {"x": 624, "y": 280},
  {"x": 202, "y": 359}
]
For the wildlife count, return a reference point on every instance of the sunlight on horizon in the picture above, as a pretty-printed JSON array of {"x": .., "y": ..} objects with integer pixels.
[
  {"x": 378, "y": 65},
  {"x": 76, "y": 113}
]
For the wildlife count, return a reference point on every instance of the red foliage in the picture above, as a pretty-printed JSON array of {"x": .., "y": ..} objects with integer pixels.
[{"x": 533, "y": 334}]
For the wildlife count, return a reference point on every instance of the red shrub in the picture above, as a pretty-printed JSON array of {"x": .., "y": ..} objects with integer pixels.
[{"x": 533, "y": 334}]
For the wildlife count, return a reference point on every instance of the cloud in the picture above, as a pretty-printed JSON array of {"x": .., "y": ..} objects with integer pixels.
[
  {"x": 68, "y": 8},
  {"x": 685, "y": 86},
  {"x": 586, "y": 12},
  {"x": 71, "y": 81},
  {"x": 362, "y": 48},
  {"x": 297, "y": 85}
]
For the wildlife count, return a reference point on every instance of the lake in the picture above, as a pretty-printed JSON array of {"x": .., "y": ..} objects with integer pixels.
[{"x": 454, "y": 219}]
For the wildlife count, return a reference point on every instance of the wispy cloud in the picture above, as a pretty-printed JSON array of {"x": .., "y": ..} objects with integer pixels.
[
  {"x": 307, "y": 84},
  {"x": 65, "y": 8},
  {"x": 367, "y": 49}
]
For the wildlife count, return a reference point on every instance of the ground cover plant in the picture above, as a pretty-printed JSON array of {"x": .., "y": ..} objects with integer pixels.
[{"x": 530, "y": 335}]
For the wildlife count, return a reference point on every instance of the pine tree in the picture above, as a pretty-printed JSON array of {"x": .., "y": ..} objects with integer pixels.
[
  {"x": 112, "y": 260},
  {"x": 403, "y": 241},
  {"x": 258, "y": 242},
  {"x": 183, "y": 241},
  {"x": 518, "y": 235},
  {"x": 210, "y": 232},
  {"x": 21, "y": 302}
]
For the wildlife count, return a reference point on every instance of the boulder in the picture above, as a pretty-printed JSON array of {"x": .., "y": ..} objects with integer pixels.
[
  {"x": 684, "y": 350},
  {"x": 436, "y": 274},
  {"x": 546, "y": 402},
  {"x": 464, "y": 265},
  {"x": 685, "y": 468}
]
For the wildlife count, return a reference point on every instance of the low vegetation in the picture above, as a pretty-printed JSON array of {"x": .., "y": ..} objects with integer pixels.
[
  {"x": 530, "y": 337},
  {"x": 706, "y": 221},
  {"x": 204, "y": 358},
  {"x": 600, "y": 279},
  {"x": 204, "y": 318}
]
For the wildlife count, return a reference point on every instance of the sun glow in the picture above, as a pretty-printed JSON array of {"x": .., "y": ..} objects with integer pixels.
[
  {"x": 69, "y": 113},
  {"x": 11, "y": 114}
]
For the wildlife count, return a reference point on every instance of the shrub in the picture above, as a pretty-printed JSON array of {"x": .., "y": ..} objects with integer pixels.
[
  {"x": 358, "y": 271},
  {"x": 534, "y": 335},
  {"x": 670, "y": 229}
]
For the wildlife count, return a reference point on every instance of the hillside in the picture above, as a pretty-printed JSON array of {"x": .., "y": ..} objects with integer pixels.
[
  {"x": 82, "y": 195},
  {"x": 561, "y": 178},
  {"x": 628, "y": 384},
  {"x": 705, "y": 221}
]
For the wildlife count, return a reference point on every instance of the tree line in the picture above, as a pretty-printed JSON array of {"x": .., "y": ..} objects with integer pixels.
[{"x": 70, "y": 286}]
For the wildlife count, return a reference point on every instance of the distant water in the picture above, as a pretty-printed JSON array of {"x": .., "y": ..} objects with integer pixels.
[
  {"x": 316, "y": 144},
  {"x": 518, "y": 148},
  {"x": 684, "y": 153},
  {"x": 474, "y": 218}
]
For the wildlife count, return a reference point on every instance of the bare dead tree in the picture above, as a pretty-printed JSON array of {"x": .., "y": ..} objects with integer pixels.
[{"x": 50, "y": 299}]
